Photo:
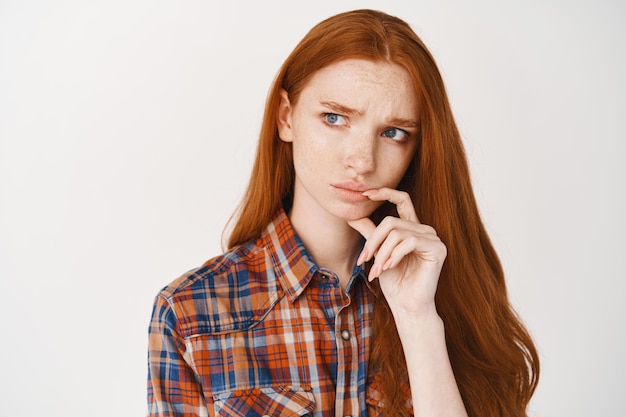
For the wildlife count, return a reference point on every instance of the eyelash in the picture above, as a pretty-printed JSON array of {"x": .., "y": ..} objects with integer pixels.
[
  {"x": 405, "y": 134},
  {"x": 325, "y": 117}
]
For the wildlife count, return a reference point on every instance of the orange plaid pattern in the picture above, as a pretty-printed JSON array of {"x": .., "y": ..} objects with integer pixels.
[{"x": 262, "y": 331}]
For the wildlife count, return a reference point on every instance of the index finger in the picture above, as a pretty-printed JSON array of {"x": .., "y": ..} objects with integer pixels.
[
  {"x": 401, "y": 199},
  {"x": 364, "y": 226}
]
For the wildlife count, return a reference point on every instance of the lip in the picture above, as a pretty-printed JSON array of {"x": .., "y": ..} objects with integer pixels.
[
  {"x": 353, "y": 186},
  {"x": 351, "y": 190}
]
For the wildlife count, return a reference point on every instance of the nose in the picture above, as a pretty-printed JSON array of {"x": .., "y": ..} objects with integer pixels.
[{"x": 360, "y": 156}]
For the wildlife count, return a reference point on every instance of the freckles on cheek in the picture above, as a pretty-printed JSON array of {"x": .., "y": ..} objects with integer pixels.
[{"x": 309, "y": 153}]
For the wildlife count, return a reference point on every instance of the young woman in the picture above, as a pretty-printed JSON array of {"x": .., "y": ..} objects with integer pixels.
[{"x": 359, "y": 279}]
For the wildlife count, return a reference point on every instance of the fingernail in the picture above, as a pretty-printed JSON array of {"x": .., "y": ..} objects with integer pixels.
[
  {"x": 369, "y": 192},
  {"x": 362, "y": 258},
  {"x": 388, "y": 264},
  {"x": 374, "y": 273}
]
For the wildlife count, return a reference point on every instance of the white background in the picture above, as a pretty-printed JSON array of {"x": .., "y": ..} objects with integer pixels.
[{"x": 127, "y": 130}]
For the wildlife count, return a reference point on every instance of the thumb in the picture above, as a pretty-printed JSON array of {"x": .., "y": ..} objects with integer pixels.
[{"x": 364, "y": 226}]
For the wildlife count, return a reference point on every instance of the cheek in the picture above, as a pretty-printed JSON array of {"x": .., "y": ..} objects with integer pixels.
[
  {"x": 308, "y": 159},
  {"x": 398, "y": 164},
  {"x": 311, "y": 149}
]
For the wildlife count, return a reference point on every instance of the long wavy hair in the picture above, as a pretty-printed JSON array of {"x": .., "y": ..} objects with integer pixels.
[{"x": 493, "y": 357}]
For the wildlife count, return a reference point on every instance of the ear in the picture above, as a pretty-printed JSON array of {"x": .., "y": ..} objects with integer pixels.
[{"x": 285, "y": 131}]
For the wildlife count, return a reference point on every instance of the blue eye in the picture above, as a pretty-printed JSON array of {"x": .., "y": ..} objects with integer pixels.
[
  {"x": 396, "y": 134},
  {"x": 334, "y": 119}
]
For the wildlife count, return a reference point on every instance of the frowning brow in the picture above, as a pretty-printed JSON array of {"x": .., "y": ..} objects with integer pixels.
[
  {"x": 401, "y": 122},
  {"x": 348, "y": 111},
  {"x": 340, "y": 108}
]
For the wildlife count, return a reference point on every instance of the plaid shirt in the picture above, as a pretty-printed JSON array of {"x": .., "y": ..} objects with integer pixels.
[{"x": 262, "y": 331}]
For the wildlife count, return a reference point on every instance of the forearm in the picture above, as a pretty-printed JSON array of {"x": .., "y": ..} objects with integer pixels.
[{"x": 433, "y": 386}]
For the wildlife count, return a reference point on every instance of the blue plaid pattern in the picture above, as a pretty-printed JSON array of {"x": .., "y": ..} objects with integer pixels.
[{"x": 262, "y": 331}]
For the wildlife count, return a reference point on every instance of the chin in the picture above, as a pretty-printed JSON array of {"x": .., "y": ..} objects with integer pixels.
[{"x": 357, "y": 211}]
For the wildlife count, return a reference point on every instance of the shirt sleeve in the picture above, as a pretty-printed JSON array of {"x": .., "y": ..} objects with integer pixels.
[{"x": 173, "y": 390}]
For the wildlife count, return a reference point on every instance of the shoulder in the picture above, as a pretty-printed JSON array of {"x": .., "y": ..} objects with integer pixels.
[{"x": 228, "y": 293}]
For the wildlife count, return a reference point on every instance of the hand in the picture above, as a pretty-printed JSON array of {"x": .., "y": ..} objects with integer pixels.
[{"x": 408, "y": 256}]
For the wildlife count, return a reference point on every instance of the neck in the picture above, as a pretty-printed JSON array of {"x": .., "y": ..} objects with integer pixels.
[{"x": 333, "y": 244}]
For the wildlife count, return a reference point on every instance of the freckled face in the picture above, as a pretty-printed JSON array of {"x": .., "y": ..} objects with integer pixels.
[{"x": 353, "y": 128}]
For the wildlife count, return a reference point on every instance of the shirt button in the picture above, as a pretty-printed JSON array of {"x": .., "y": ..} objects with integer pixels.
[{"x": 345, "y": 335}]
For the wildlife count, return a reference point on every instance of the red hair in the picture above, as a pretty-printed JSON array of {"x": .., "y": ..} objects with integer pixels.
[{"x": 493, "y": 357}]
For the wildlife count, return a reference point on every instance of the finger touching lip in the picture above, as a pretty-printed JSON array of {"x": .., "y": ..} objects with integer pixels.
[{"x": 350, "y": 194}]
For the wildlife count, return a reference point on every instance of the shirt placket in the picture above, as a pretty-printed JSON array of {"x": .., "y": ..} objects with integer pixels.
[{"x": 346, "y": 336}]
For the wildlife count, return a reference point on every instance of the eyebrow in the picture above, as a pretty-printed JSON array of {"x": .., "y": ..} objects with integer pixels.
[
  {"x": 395, "y": 121},
  {"x": 340, "y": 108}
]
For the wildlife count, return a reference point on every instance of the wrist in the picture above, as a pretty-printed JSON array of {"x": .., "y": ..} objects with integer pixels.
[{"x": 425, "y": 320}]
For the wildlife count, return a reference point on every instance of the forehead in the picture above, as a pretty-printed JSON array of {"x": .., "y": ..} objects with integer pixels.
[{"x": 360, "y": 82}]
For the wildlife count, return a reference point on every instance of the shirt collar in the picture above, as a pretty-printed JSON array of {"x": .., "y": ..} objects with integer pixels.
[{"x": 293, "y": 266}]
